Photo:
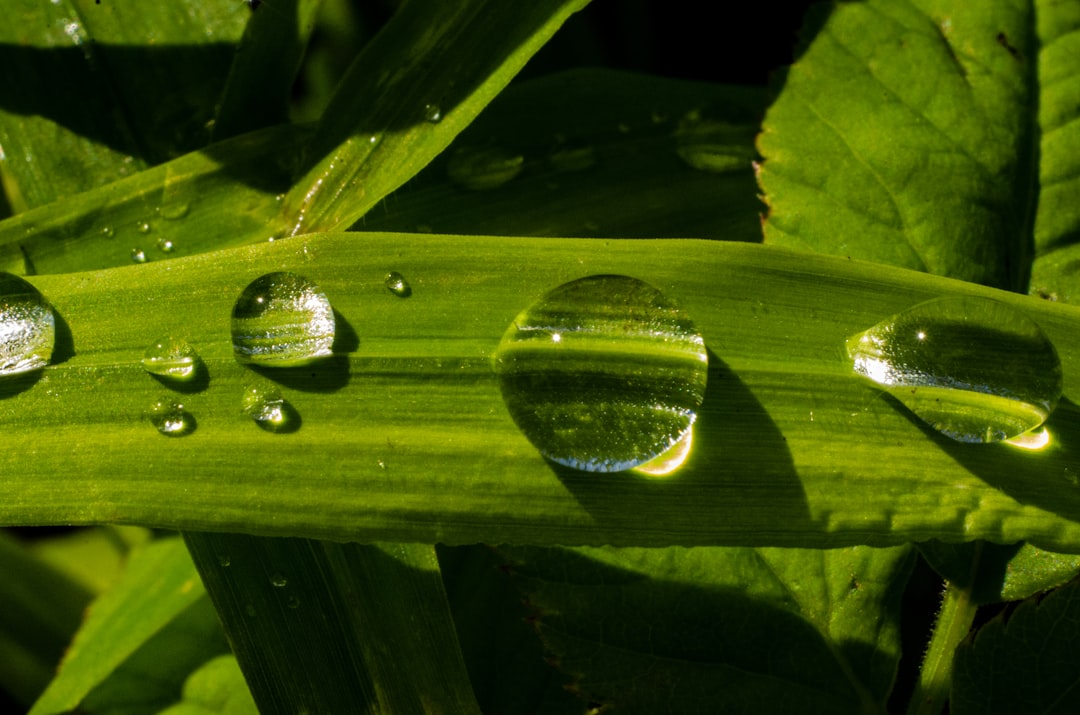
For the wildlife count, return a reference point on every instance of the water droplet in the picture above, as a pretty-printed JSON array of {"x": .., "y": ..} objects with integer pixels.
[
  {"x": 293, "y": 602},
  {"x": 278, "y": 580},
  {"x": 250, "y": 610},
  {"x": 482, "y": 168},
  {"x": 396, "y": 284},
  {"x": 174, "y": 210},
  {"x": 143, "y": 227},
  {"x": 266, "y": 406},
  {"x": 138, "y": 255},
  {"x": 27, "y": 327},
  {"x": 432, "y": 113},
  {"x": 165, "y": 245},
  {"x": 974, "y": 369},
  {"x": 572, "y": 158},
  {"x": 107, "y": 231},
  {"x": 282, "y": 320},
  {"x": 224, "y": 561},
  {"x": 170, "y": 419},
  {"x": 714, "y": 146},
  {"x": 171, "y": 358},
  {"x": 603, "y": 374}
]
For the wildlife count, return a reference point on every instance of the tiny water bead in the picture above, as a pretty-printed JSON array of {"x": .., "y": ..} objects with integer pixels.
[
  {"x": 171, "y": 359},
  {"x": 433, "y": 113},
  {"x": 170, "y": 418},
  {"x": 603, "y": 374},
  {"x": 165, "y": 245},
  {"x": 27, "y": 327},
  {"x": 265, "y": 405},
  {"x": 483, "y": 168},
  {"x": 278, "y": 580},
  {"x": 138, "y": 255},
  {"x": 282, "y": 320},
  {"x": 396, "y": 284},
  {"x": 974, "y": 369}
]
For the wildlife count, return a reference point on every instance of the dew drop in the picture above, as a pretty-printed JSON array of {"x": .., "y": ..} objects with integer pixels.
[
  {"x": 282, "y": 320},
  {"x": 266, "y": 406},
  {"x": 432, "y": 113},
  {"x": 483, "y": 168},
  {"x": 165, "y": 245},
  {"x": 138, "y": 255},
  {"x": 396, "y": 284},
  {"x": 293, "y": 602},
  {"x": 143, "y": 227},
  {"x": 974, "y": 369},
  {"x": 278, "y": 580},
  {"x": 714, "y": 146},
  {"x": 107, "y": 232},
  {"x": 170, "y": 419},
  {"x": 249, "y": 609},
  {"x": 572, "y": 158},
  {"x": 27, "y": 327},
  {"x": 603, "y": 374},
  {"x": 175, "y": 210},
  {"x": 171, "y": 358},
  {"x": 224, "y": 561}
]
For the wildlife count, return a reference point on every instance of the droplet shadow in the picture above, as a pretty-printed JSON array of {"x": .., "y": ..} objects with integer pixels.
[
  {"x": 325, "y": 375},
  {"x": 197, "y": 382}
]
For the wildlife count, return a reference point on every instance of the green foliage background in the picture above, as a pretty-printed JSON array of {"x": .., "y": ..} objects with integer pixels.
[{"x": 913, "y": 150}]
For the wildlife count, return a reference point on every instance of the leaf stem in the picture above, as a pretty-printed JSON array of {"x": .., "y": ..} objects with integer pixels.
[{"x": 952, "y": 626}]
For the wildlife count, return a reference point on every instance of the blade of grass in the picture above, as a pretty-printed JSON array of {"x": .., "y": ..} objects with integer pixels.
[
  {"x": 323, "y": 627},
  {"x": 397, "y": 430}
]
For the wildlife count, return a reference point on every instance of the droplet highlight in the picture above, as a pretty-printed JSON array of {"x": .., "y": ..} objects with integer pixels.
[
  {"x": 165, "y": 245},
  {"x": 282, "y": 320},
  {"x": 278, "y": 580},
  {"x": 170, "y": 419},
  {"x": 396, "y": 284},
  {"x": 27, "y": 327},
  {"x": 433, "y": 113},
  {"x": 138, "y": 255},
  {"x": 266, "y": 406},
  {"x": 603, "y": 374},
  {"x": 483, "y": 168},
  {"x": 974, "y": 369},
  {"x": 171, "y": 359}
]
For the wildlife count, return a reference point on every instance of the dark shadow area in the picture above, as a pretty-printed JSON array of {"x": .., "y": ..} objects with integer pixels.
[
  {"x": 725, "y": 469},
  {"x": 325, "y": 375},
  {"x": 345, "y": 338},
  {"x": 63, "y": 343},
  {"x": 13, "y": 385},
  {"x": 1048, "y": 479}
]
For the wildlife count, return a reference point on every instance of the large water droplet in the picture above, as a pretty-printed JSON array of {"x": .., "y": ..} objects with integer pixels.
[
  {"x": 603, "y": 374},
  {"x": 27, "y": 327},
  {"x": 171, "y": 358},
  {"x": 170, "y": 418},
  {"x": 266, "y": 406},
  {"x": 481, "y": 168},
  {"x": 972, "y": 368},
  {"x": 396, "y": 284},
  {"x": 282, "y": 320}
]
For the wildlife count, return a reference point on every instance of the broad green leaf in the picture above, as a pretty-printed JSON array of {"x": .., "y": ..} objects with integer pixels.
[
  {"x": 396, "y": 430},
  {"x": 94, "y": 558},
  {"x": 153, "y": 676},
  {"x": 323, "y": 627},
  {"x": 906, "y": 133},
  {"x": 1023, "y": 661},
  {"x": 41, "y": 610},
  {"x": 505, "y": 658},
  {"x": 92, "y": 92},
  {"x": 159, "y": 584},
  {"x": 719, "y": 630},
  {"x": 599, "y": 156},
  {"x": 421, "y": 81},
  {"x": 998, "y": 572},
  {"x": 217, "y": 688}
]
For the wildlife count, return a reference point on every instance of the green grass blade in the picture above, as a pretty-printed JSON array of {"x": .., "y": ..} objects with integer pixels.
[
  {"x": 396, "y": 433},
  {"x": 92, "y": 92},
  {"x": 597, "y": 161},
  {"x": 436, "y": 60},
  {"x": 903, "y": 124},
  {"x": 159, "y": 584},
  {"x": 256, "y": 94},
  {"x": 323, "y": 627}
]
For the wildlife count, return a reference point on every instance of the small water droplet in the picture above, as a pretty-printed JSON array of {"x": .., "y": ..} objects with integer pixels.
[
  {"x": 174, "y": 210},
  {"x": 396, "y": 284},
  {"x": 250, "y": 610},
  {"x": 165, "y": 245},
  {"x": 107, "y": 232},
  {"x": 278, "y": 580},
  {"x": 170, "y": 419},
  {"x": 171, "y": 358},
  {"x": 432, "y": 113},
  {"x": 974, "y": 369},
  {"x": 483, "y": 168},
  {"x": 714, "y": 146},
  {"x": 27, "y": 327},
  {"x": 293, "y": 602},
  {"x": 143, "y": 227},
  {"x": 603, "y": 374},
  {"x": 282, "y": 320},
  {"x": 266, "y": 406},
  {"x": 138, "y": 255},
  {"x": 224, "y": 561},
  {"x": 572, "y": 158}
]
